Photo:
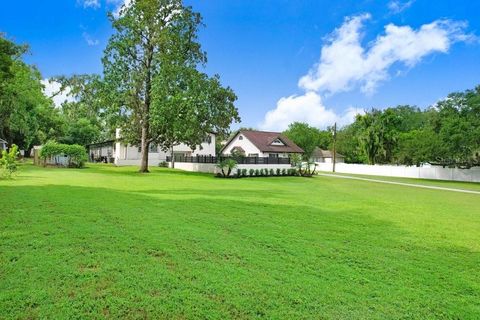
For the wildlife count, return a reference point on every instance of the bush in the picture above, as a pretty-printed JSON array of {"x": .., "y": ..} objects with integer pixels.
[
  {"x": 239, "y": 173},
  {"x": 284, "y": 172},
  {"x": 163, "y": 164},
  {"x": 278, "y": 171},
  {"x": 252, "y": 172},
  {"x": 257, "y": 172},
  {"x": 271, "y": 172},
  {"x": 8, "y": 162},
  {"x": 244, "y": 172},
  {"x": 228, "y": 165},
  {"x": 77, "y": 155}
]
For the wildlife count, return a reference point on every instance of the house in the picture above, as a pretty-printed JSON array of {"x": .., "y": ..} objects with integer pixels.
[
  {"x": 326, "y": 156},
  {"x": 102, "y": 151},
  {"x": 251, "y": 143},
  {"x": 120, "y": 153},
  {"x": 3, "y": 144}
]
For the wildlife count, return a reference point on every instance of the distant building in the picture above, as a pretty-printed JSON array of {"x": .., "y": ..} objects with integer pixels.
[
  {"x": 251, "y": 143},
  {"x": 120, "y": 153},
  {"x": 326, "y": 156}
]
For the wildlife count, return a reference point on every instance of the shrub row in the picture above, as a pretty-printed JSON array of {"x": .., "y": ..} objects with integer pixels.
[
  {"x": 77, "y": 155},
  {"x": 241, "y": 173}
]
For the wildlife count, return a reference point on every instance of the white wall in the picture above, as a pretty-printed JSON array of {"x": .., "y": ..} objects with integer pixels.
[
  {"x": 196, "y": 167},
  {"x": 129, "y": 155},
  {"x": 430, "y": 172}
]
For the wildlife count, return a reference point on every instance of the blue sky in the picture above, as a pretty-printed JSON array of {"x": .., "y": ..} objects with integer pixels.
[{"x": 312, "y": 60}]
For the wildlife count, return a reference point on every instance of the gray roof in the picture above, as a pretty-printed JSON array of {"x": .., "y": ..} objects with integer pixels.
[{"x": 319, "y": 153}]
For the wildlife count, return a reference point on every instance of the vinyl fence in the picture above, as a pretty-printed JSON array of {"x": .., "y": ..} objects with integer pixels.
[{"x": 426, "y": 172}]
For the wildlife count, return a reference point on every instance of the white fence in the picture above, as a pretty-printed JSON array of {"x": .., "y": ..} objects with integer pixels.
[{"x": 430, "y": 172}]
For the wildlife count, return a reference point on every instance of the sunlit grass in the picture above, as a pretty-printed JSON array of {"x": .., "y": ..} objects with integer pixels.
[{"x": 107, "y": 242}]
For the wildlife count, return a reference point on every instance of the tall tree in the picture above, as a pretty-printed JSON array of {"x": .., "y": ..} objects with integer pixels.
[
  {"x": 85, "y": 114},
  {"x": 348, "y": 143},
  {"x": 27, "y": 117},
  {"x": 305, "y": 136},
  {"x": 150, "y": 70}
]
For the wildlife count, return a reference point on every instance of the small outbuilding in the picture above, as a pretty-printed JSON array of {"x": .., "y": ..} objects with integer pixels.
[{"x": 326, "y": 156}]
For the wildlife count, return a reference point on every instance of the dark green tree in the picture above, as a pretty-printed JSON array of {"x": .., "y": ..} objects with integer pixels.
[{"x": 305, "y": 136}]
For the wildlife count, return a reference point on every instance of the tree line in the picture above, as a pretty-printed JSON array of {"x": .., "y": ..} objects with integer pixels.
[{"x": 447, "y": 134}]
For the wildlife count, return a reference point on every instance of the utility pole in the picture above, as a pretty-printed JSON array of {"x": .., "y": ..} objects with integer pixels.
[{"x": 334, "y": 146}]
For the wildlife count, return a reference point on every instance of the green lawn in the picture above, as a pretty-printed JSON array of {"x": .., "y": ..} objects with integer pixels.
[{"x": 106, "y": 242}]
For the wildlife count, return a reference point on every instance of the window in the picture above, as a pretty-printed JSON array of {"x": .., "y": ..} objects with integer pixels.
[
  {"x": 273, "y": 155},
  {"x": 152, "y": 148},
  {"x": 254, "y": 155},
  {"x": 139, "y": 149},
  {"x": 278, "y": 142},
  {"x": 240, "y": 137}
]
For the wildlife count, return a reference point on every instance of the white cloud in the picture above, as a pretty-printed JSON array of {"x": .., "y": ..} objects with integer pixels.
[
  {"x": 91, "y": 4},
  {"x": 52, "y": 90},
  {"x": 89, "y": 40},
  {"x": 397, "y": 6},
  {"x": 118, "y": 4},
  {"x": 305, "y": 108},
  {"x": 345, "y": 64}
]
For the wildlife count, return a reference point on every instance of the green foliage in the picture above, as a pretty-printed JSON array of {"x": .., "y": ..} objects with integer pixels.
[
  {"x": 348, "y": 144},
  {"x": 306, "y": 169},
  {"x": 447, "y": 134},
  {"x": 179, "y": 245},
  {"x": 295, "y": 159},
  {"x": 76, "y": 153},
  {"x": 163, "y": 164},
  {"x": 305, "y": 136},
  {"x": 257, "y": 172},
  {"x": 237, "y": 154},
  {"x": 251, "y": 172},
  {"x": 8, "y": 162},
  {"x": 86, "y": 119},
  {"x": 226, "y": 166},
  {"x": 81, "y": 132},
  {"x": 27, "y": 117},
  {"x": 244, "y": 172},
  {"x": 284, "y": 172},
  {"x": 154, "y": 86}
]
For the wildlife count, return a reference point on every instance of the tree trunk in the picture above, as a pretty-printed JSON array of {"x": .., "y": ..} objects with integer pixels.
[
  {"x": 172, "y": 158},
  {"x": 146, "y": 111},
  {"x": 144, "y": 151}
]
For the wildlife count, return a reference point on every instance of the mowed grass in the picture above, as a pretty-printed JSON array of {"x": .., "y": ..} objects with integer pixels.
[{"x": 106, "y": 242}]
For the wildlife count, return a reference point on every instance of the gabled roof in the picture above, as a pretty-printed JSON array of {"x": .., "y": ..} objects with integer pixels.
[
  {"x": 263, "y": 141},
  {"x": 319, "y": 153}
]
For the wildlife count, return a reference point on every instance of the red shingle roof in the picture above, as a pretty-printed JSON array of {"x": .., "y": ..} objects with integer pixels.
[{"x": 263, "y": 141}]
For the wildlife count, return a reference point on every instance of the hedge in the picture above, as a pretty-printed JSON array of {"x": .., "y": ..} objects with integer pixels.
[{"x": 76, "y": 153}]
